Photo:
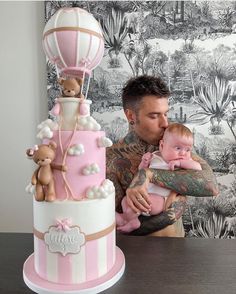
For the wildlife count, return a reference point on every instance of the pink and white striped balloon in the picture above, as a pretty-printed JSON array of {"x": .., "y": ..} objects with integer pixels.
[{"x": 73, "y": 41}]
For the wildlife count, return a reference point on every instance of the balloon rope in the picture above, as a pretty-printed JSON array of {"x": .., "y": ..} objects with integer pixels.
[
  {"x": 83, "y": 78},
  {"x": 87, "y": 87},
  {"x": 64, "y": 154},
  {"x": 64, "y": 160}
]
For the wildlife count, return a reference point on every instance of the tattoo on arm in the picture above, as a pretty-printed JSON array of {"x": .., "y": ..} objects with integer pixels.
[
  {"x": 158, "y": 222},
  {"x": 188, "y": 182},
  {"x": 139, "y": 179}
]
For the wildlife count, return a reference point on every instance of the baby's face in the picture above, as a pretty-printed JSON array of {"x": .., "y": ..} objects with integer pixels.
[{"x": 174, "y": 147}]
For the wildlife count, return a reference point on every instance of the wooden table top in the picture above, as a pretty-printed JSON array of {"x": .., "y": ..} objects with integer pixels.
[{"x": 153, "y": 265}]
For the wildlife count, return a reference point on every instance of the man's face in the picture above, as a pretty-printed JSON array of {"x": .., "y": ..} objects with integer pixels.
[{"x": 151, "y": 119}]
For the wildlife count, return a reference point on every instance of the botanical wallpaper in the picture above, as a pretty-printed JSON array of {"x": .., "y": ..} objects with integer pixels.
[{"x": 192, "y": 46}]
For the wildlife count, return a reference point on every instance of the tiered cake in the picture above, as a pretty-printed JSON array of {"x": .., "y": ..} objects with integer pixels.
[{"x": 74, "y": 205}]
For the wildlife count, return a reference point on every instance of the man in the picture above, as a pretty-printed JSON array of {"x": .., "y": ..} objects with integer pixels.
[{"x": 145, "y": 103}]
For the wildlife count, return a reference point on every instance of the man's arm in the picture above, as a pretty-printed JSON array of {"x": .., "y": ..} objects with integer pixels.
[
  {"x": 158, "y": 222},
  {"x": 153, "y": 223},
  {"x": 198, "y": 183}
]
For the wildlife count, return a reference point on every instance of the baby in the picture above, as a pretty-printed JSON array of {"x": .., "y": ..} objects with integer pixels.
[{"x": 174, "y": 151}]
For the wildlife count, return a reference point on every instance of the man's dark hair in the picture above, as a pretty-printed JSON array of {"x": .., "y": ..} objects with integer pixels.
[{"x": 136, "y": 88}]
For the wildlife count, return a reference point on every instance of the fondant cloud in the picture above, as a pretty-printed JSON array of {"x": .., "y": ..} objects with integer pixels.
[
  {"x": 104, "y": 142},
  {"x": 103, "y": 191},
  {"x": 45, "y": 132},
  {"x": 49, "y": 123},
  {"x": 88, "y": 123},
  {"x": 91, "y": 169},
  {"x": 46, "y": 129},
  {"x": 76, "y": 150},
  {"x": 30, "y": 189}
]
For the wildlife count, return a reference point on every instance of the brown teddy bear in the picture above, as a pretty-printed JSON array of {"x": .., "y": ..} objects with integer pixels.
[
  {"x": 43, "y": 155},
  {"x": 71, "y": 87}
]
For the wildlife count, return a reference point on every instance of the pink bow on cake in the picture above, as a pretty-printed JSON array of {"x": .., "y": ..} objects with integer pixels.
[{"x": 63, "y": 225}]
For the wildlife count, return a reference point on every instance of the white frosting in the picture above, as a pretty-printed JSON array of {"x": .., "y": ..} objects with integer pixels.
[
  {"x": 104, "y": 142},
  {"x": 45, "y": 133},
  {"x": 88, "y": 123},
  {"x": 90, "y": 215},
  {"x": 46, "y": 129},
  {"x": 76, "y": 149},
  {"x": 49, "y": 123},
  {"x": 103, "y": 191},
  {"x": 91, "y": 169},
  {"x": 67, "y": 225}
]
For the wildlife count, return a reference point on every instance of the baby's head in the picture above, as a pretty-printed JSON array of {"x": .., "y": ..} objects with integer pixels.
[{"x": 177, "y": 142}]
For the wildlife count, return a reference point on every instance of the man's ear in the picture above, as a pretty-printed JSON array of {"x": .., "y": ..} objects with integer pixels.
[{"x": 130, "y": 114}]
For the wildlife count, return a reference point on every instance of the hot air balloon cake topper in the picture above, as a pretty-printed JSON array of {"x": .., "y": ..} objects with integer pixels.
[{"x": 73, "y": 41}]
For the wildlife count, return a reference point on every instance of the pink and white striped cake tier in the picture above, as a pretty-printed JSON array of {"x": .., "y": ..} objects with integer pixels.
[{"x": 74, "y": 241}]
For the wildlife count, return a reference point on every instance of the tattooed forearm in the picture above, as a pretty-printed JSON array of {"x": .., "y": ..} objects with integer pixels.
[
  {"x": 139, "y": 179},
  {"x": 186, "y": 182},
  {"x": 158, "y": 222}
]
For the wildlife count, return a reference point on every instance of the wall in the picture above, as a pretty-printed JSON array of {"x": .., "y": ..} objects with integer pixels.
[
  {"x": 191, "y": 45},
  {"x": 23, "y": 104}
]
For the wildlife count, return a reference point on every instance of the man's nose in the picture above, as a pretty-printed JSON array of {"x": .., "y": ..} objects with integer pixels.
[{"x": 164, "y": 122}]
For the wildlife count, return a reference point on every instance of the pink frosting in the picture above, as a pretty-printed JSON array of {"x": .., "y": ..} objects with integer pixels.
[
  {"x": 84, "y": 109},
  {"x": 78, "y": 183}
]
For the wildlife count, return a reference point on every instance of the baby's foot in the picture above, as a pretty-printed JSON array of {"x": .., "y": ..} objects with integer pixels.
[
  {"x": 130, "y": 226},
  {"x": 120, "y": 220}
]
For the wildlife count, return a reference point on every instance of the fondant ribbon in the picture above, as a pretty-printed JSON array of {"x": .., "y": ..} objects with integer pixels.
[
  {"x": 89, "y": 237},
  {"x": 79, "y": 29}
]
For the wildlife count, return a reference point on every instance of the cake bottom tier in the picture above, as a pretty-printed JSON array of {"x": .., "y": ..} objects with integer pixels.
[
  {"x": 39, "y": 285},
  {"x": 74, "y": 241}
]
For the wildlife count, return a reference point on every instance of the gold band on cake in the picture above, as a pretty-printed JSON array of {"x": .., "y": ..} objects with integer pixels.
[{"x": 89, "y": 237}]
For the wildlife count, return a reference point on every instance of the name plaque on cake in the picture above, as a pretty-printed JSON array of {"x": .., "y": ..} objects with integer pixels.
[{"x": 64, "y": 239}]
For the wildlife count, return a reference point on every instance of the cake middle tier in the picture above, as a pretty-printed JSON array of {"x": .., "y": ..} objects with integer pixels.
[{"x": 85, "y": 159}]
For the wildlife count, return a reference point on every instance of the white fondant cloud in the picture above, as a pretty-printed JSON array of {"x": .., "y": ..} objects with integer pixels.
[
  {"x": 103, "y": 191},
  {"x": 76, "y": 150},
  {"x": 30, "y": 189},
  {"x": 104, "y": 142},
  {"x": 91, "y": 169},
  {"x": 88, "y": 123},
  {"x": 45, "y": 133},
  {"x": 49, "y": 123},
  {"x": 46, "y": 129}
]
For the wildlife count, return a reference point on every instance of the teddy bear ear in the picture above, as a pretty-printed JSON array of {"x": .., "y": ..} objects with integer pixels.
[
  {"x": 30, "y": 153},
  {"x": 61, "y": 81},
  {"x": 80, "y": 81},
  {"x": 52, "y": 145}
]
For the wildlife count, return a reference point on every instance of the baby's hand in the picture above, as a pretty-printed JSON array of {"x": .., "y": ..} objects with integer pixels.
[{"x": 174, "y": 163}]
